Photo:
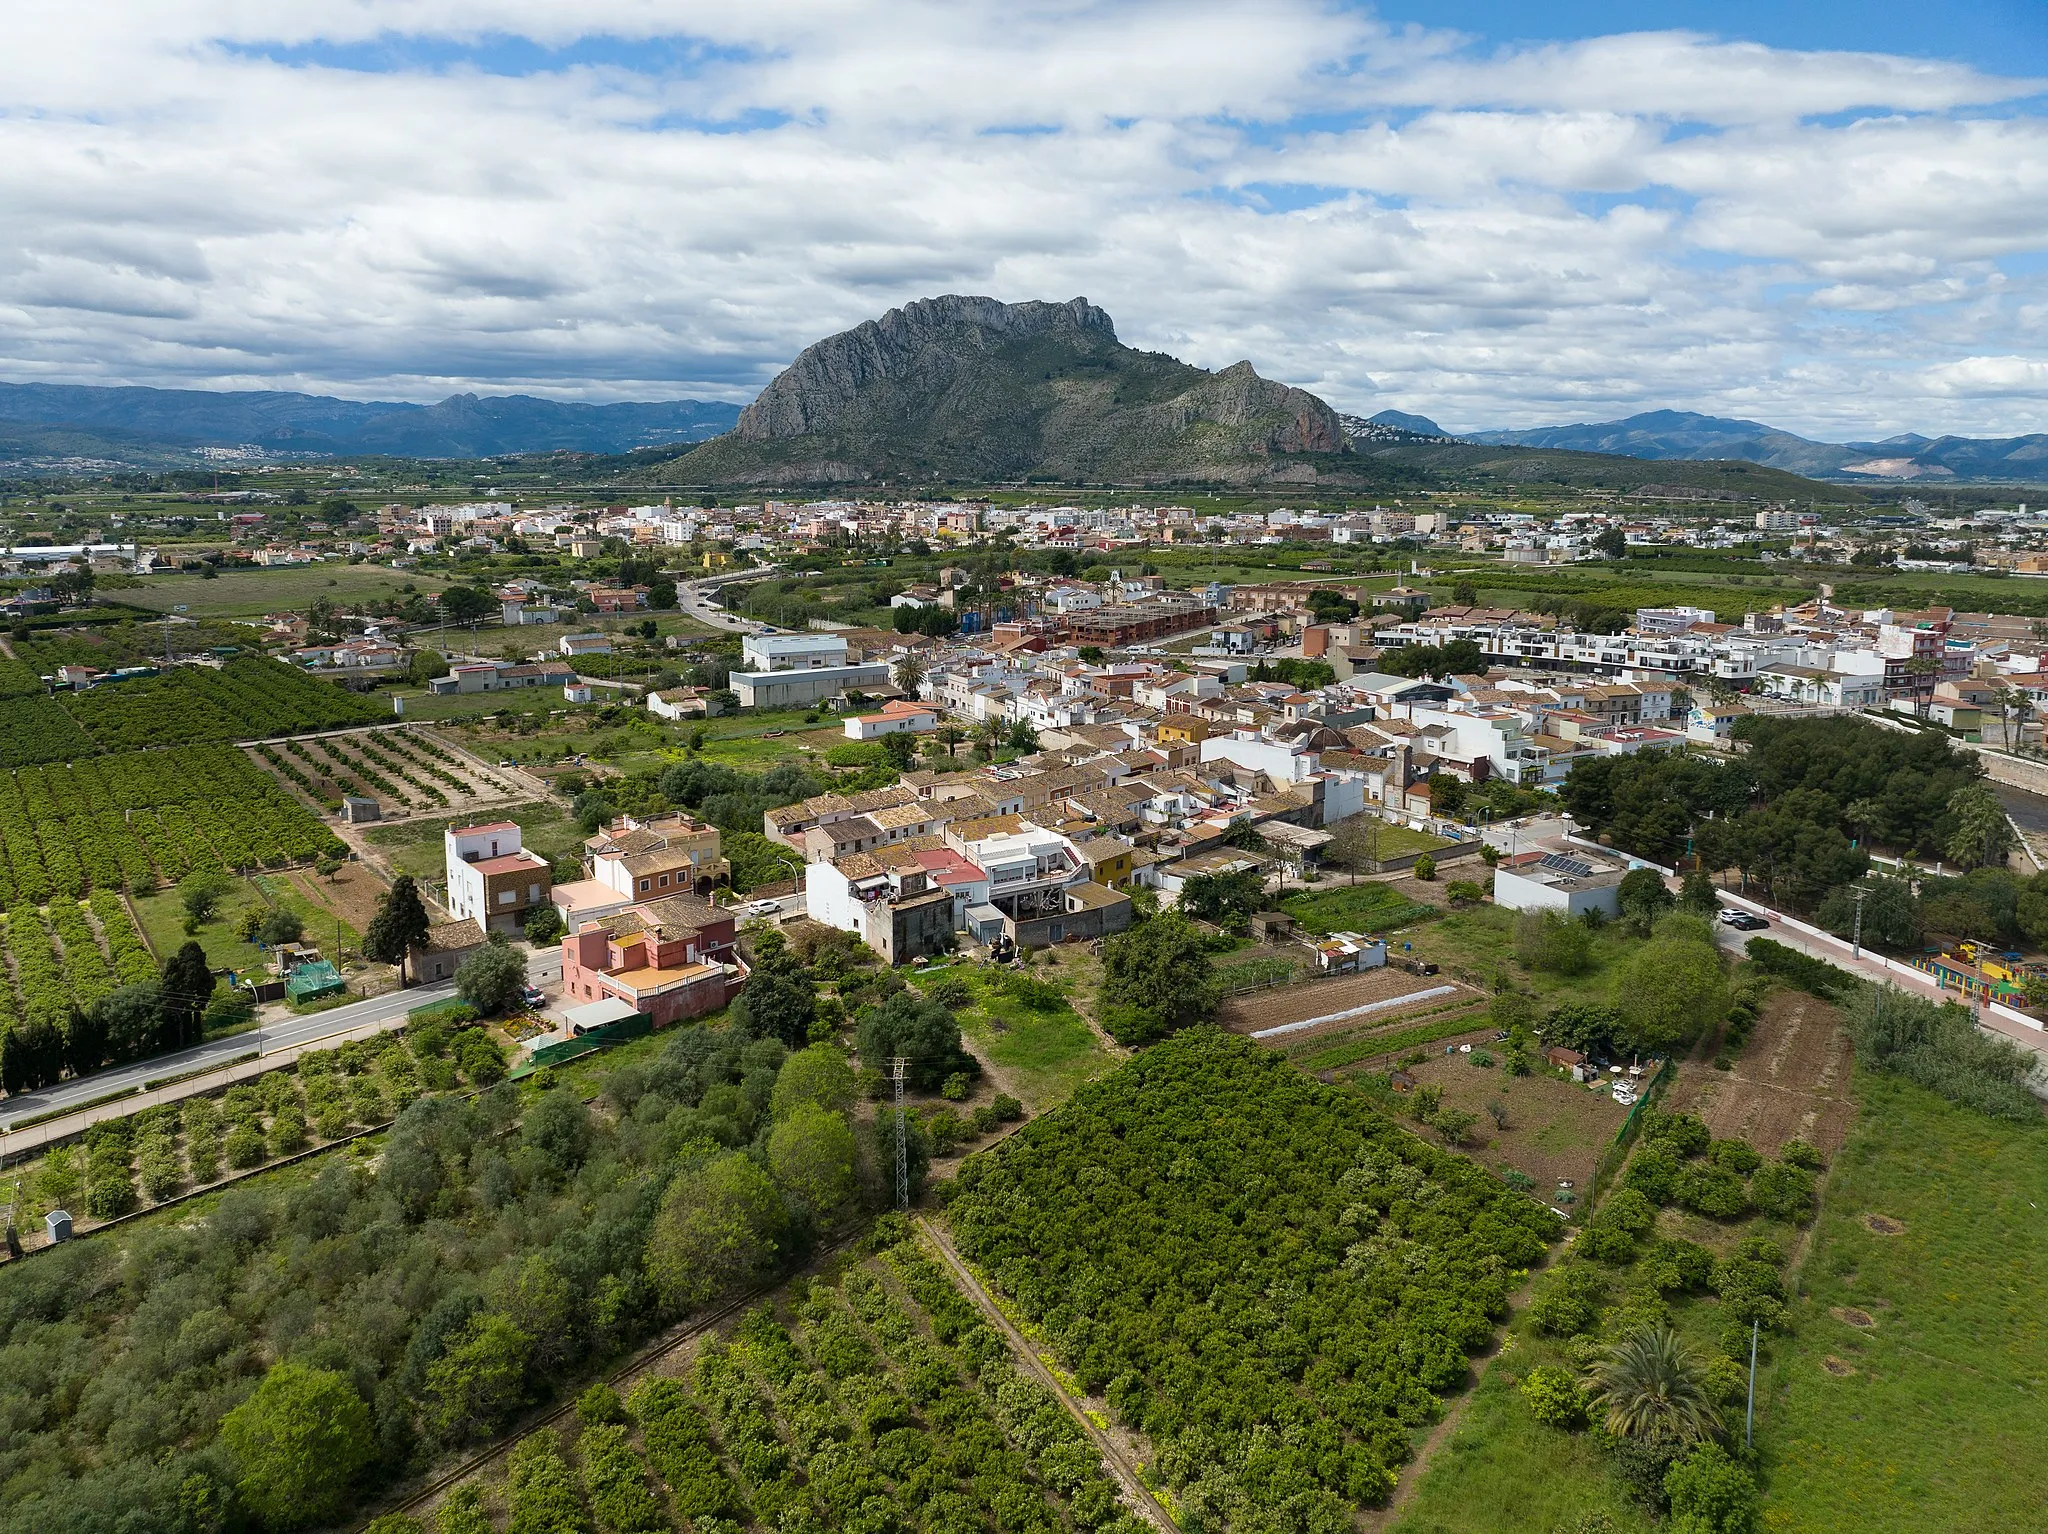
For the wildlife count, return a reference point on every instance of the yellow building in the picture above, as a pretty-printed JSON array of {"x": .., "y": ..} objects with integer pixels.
[{"x": 1184, "y": 730}]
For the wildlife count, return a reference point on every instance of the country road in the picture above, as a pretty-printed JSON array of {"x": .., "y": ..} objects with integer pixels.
[{"x": 275, "y": 1037}]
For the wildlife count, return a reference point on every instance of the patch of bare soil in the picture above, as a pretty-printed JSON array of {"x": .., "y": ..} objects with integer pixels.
[
  {"x": 1333, "y": 999},
  {"x": 353, "y": 894},
  {"x": 1836, "y": 1367},
  {"x": 1849, "y": 1315},
  {"x": 1554, "y": 1130},
  {"x": 1791, "y": 1081},
  {"x": 1883, "y": 1224}
]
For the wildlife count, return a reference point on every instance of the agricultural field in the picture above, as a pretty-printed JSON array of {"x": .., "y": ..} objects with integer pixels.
[
  {"x": 1790, "y": 1081},
  {"x": 249, "y": 696},
  {"x": 1699, "y": 1235},
  {"x": 878, "y": 1401},
  {"x": 68, "y": 953},
  {"x": 402, "y": 768},
  {"x": 250, "y": 593},
  {"x": 1269, "y": 1281},
  {"x": 1901, "y": 1400},
  {"x": 164, "y": 1152},
  {"x": 1548, "y": 1128},
  {"x": 143, "y": 818},
  {"x": 1024, "y": 1028},
  {"x": 1323, "y": 1007},
  {"x": 555, "y": 1235},
  {"x": 1367, "y": 906}
]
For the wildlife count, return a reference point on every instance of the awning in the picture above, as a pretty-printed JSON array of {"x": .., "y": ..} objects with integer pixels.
[{"x": 596, "y": 1014}]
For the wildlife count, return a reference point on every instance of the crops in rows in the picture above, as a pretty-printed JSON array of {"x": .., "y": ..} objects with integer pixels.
[
  {"x": 161, "y": 1152},
  {"x": 96, "y": 949},
  {"x": 882, "y": 1405},
  {"x": 132, "y": 820},
  {"x": 37, "y": 729},
  {"x": 249, "y": 696},
  {"x": 1270, "y": 1280}
]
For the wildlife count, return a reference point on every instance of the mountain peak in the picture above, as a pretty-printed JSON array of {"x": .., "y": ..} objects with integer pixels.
[{"x": 973, "y": 388}]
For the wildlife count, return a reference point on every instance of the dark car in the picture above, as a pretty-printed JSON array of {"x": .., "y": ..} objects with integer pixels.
[{"x": 1742, "y": 921}]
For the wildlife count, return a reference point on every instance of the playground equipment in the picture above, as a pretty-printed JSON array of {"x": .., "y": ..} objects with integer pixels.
[{"x": 1983, "y": 973}]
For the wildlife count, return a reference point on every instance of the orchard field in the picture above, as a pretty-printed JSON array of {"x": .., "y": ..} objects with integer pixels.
[
  {"x": 140, "y": 818},
  {"x": 1269, "y": 1280}
]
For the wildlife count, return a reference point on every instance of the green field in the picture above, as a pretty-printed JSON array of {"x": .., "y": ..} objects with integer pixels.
[
  {"x": 1363, "y": 907},
  {"x": 1480, "y": 940},
  {"x": 162, "y": 916},
  {"x": 1938, "y": 1427},
  {"x": 415, "y": 846},
  {"x": 252, "y": 592},
  {"x": 1045, "y": 1054}
]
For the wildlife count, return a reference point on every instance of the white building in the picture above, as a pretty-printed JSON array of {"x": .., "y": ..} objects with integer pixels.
[
  {"x": 1570, "y": 881},
  {"x": 492, "y": 879},
  {"x": 896, "y": 718},
  {"x": 792, "y": 670}
]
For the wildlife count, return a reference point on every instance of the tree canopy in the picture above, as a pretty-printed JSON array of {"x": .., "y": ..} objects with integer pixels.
[
  {"x": 299, "y": 1442},
  {"x": 1156, "y": 977}
]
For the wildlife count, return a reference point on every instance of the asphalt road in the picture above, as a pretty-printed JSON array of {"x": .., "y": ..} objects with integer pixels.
[
  {"x": 543, "y": 969},
  {"x": 694, "y": 597}
]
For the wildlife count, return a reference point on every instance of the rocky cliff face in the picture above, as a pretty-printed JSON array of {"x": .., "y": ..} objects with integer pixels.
[{"x": 975, "y": 389}]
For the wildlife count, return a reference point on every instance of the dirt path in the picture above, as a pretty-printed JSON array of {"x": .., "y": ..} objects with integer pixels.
[
  {"x": 1412, "y": 1472},
  {"x": 1140, "y": 1496}
]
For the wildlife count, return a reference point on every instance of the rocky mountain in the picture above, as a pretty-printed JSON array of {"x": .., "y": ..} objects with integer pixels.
[
  {"x": 1683, "y": 434},
  {"x": 158, "y": 425},
  {"x": 1401, "y": 420},
  {"x": 977, "y": 390}
]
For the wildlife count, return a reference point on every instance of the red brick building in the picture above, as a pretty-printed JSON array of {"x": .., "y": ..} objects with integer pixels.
[{"x": 670, "y": 959}]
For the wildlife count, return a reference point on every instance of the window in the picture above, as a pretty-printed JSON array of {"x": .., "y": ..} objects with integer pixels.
[
  {"x": 508, "y": 897},
  {"x": 643, "y": 886}
]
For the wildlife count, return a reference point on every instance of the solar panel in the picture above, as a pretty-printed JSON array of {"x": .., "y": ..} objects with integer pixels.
[{"x": 1558, "y": 863}]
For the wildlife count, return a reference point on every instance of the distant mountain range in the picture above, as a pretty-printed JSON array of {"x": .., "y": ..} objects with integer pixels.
[
  {"x": 1682, "y": 434},
  {"x": 976, "y": 390},
  {"x": 151, "y": 427}
]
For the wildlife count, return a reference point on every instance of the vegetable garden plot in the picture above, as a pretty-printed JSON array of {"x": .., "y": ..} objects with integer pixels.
[{"x": 1264, "y": 1275}]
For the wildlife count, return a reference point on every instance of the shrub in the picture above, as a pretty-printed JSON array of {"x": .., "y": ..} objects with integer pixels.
[
  {"x": 1653, "y": 1171},
  {"x": 1684, "y": 1132},
  {"x": 1712, "y": 1191},
  {"x": 1555, "y": 1398},
  {"x": 956, "y": 1088},
  {"x": 1676, "y": 1266},
  {"x": 1570, "y": 1304},
  {"x": 1783, "y": 1192},
  {"x": 245, "y": 1146},
  {"x": 1425, "y": 867},
  {"x": 1798, "y": 1153},
  {"x": 1815, "y": 976},
  {"x": 1738, "y": 1156},
  {"x": 1711, "y": 1494}
]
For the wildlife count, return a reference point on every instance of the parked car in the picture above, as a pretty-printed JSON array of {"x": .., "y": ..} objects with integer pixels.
[
  {"x": 1743, "y": 921},
  {"x": 763, "y": 907},
  {"x": 533, "y": 996}
]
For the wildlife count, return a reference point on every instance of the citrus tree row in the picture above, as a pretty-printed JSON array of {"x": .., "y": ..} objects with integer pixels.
[
  {"x": 249, "y": 696},
  {"x": 156, "y": 815},
  {"x": 1269, "y": 1279},
  {"x": 856, "y": 1418}
]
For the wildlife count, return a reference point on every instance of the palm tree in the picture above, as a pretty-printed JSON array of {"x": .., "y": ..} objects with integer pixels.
[
  {"x": 990, "y": 734},
  {"x": 910, "y": 674},
  {"x": 1650, "y": 1385},
  {"x": 1921, "y": 671}
]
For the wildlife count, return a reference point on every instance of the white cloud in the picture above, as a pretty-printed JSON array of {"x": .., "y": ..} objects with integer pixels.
[{"x": 216, "y": 192}]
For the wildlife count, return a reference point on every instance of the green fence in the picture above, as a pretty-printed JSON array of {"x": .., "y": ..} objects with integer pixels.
[
  {"x": 638, "y": 1026},
  {"x": 1616, "y": 1153}
]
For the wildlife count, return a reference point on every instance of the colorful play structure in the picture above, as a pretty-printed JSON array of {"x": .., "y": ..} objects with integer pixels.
[{"x": 1984, "y": 973}]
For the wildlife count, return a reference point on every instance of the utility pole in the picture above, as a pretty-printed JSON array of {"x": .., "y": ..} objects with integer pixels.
[
  {"x": 1749, "y": 1422},
  {"x": 1859, "y": 893},
  {"x": 897, "y": 1067}
]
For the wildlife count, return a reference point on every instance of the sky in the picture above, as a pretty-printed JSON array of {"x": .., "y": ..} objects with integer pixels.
[{"x": 1827, "y": 216}]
